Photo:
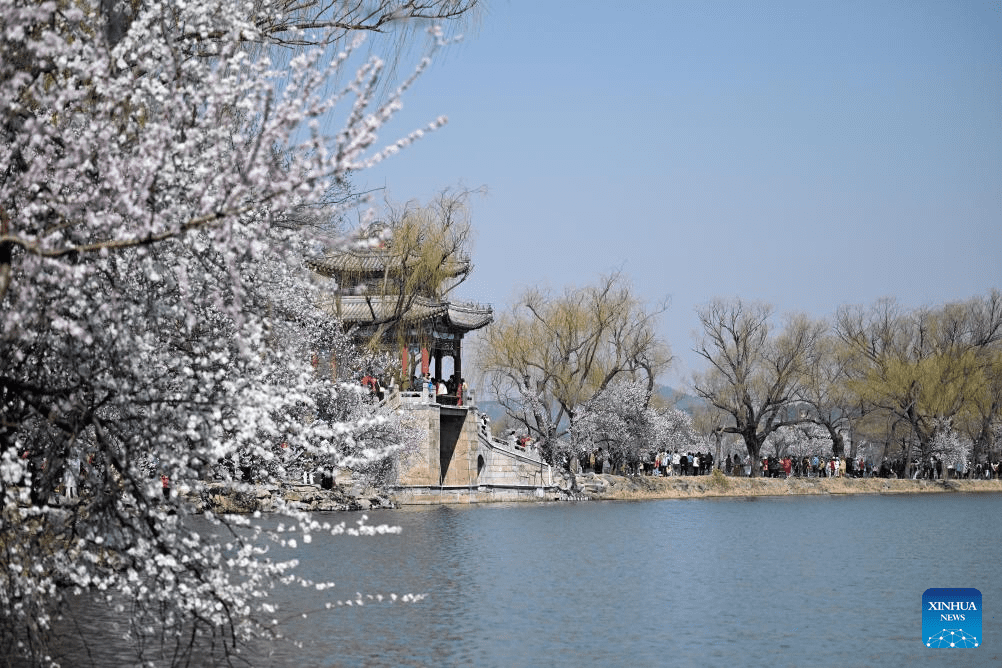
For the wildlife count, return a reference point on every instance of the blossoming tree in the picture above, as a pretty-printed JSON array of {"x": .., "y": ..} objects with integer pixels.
[
  {"x": 154, "y": 165},
  {"x": 623, "y": 422}
]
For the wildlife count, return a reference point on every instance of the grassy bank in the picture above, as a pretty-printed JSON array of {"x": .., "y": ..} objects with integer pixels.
[{"x": 610, "y": 487}]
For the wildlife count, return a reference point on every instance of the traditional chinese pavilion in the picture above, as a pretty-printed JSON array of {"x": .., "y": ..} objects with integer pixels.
[
  {"x": 375, "y": 294},
  {"x": 379, "y": 293}
]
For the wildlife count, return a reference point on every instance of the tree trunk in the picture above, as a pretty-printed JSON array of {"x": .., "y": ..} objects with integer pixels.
[
  {"x": 838, "y": 443},
  {"x": 754, "y": 446},
  {"x": 906, "y": 445},
  {"x": 983, "y": 439}
]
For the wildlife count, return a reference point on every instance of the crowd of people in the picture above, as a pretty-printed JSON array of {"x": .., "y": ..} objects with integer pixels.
[
  {"x": 803, "y": 467},
  {"x": 452, "y": 390},
  {"x": 76, "y": 474},
  {"x": 679, "y": 463},
  {"x": 935, "y": 468},
  {"x": 814, "y": 466},
  {"x": 662, "y": 464}
]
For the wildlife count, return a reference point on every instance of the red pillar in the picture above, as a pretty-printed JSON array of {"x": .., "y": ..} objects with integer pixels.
[{"x": 424, "y": 361}]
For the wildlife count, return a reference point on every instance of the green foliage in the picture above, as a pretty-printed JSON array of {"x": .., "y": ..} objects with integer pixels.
[
  {"x": 551, "y": 353},
  {"x": 927, "y": 367},
  {"x": 428, "y": 250}
]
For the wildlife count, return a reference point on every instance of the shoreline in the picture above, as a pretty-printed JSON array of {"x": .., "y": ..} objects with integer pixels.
[
  {"x": 604, "y": 487},
  {"x": 221, "y": 498}
]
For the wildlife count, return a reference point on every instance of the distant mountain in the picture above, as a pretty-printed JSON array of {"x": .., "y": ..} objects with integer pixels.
[
  {"x": 492, "y": 408},
  {"x": 681, "y": 400}
]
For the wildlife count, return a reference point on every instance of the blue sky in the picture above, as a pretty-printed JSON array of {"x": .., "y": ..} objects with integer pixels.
[{"x": 805, "y": 154}]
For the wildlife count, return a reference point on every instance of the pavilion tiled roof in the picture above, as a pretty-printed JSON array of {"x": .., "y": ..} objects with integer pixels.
[
  {"x": 356, "y": 262},
  {"x": 368, "y": 309}
]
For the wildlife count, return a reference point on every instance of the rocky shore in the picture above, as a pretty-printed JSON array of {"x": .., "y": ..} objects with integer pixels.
[
  {"x": 610, "y": 487},
  {"x": 225, "y": 498}
]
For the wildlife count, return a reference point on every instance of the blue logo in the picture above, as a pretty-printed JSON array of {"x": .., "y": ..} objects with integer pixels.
[{"x": 951, "y": 618}]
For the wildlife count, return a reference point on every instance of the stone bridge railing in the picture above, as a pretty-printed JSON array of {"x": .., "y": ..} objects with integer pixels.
[{"x": 397, "y": 399}]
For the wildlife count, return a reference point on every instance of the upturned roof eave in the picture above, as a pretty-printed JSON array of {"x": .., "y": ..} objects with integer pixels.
[{"x": 362, "y": 310}]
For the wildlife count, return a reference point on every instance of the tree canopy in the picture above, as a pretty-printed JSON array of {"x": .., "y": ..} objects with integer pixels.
[
  {"x": 928, "y": 376},
  {"x": 156, "y": 316},
  {"x": 928, "y": 367},
  {"x": 755, "y": 370},
  {"x": 552, "y": 353},
  {"x": 624, "y": 422}
]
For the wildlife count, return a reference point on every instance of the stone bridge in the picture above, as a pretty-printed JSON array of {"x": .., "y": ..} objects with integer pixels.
[{"x": 460, "y": 461}]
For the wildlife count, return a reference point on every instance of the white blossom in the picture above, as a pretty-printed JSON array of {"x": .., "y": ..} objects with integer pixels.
[
  {"x": 155, "y": 314},
  {"x": 621, "y": 420}
]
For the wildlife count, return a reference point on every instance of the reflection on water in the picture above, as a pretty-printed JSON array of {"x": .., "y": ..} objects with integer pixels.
[{"x": 827, "y": 581}]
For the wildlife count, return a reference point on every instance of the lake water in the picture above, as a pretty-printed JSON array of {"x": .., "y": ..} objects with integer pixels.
[{"x": 785, "y": 581}]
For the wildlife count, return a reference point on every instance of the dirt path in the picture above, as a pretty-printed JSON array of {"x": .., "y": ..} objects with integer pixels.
[{"x": 685, "y": 487}]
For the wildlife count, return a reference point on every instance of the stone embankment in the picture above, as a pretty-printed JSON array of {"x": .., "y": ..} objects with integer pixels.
[
  {"x": 226, "y": 498},
  {"x": 611, "y": 487}
]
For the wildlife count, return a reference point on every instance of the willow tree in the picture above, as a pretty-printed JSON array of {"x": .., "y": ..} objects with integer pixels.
[
  {"x": 550, "y": 354},
  {"x": 927, "y": 366},
  {"x": 981, "y": 419},
  {"x": 827, "y": 395},
  {"x": 389, "y": 287},
  {"x": 756, "y": 371},
  {"x": 425, "y": 253}
]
